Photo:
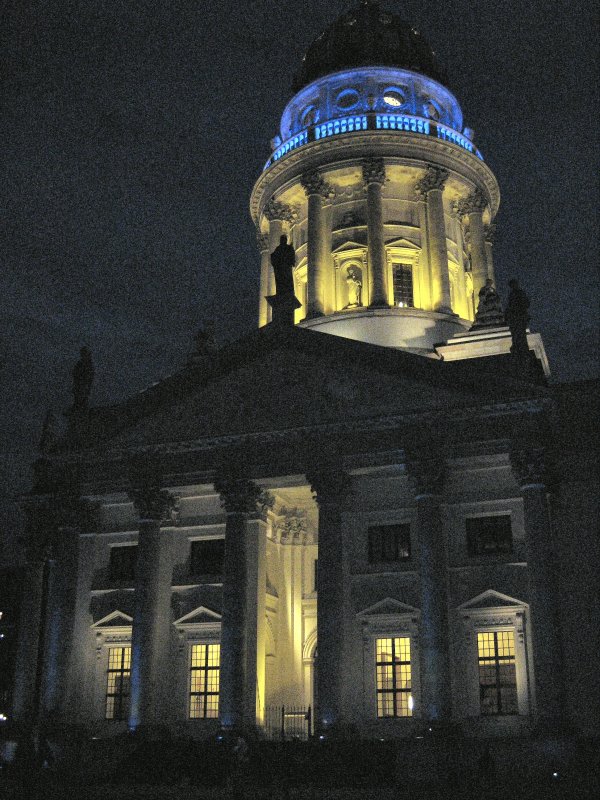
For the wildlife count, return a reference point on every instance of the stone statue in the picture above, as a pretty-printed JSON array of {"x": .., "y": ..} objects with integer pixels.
[
  {"x": 354, "y": 288},
  {"x": 489, "y": 310},
  {"x": 283, "y": 260},
  {"x": 83, "y": 377},
  {"x": 517, "y": 317}
]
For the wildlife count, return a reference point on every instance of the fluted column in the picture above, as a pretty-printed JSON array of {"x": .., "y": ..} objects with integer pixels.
[
  {"x": 262, "y": 241},
  {"x": 331, "y": 488},
  {"x": 529, "y": 467},
  {"x": 427, "y": 474},
  {"x": 431, "y": 186},
  {"x": 489, "y": 232},
  {"x": 318, "y": 259},
  {"x": 461, "y": 288},
  {"x": 373, "y": 170},
  {"x": 473, "y": 207},
  {"x": 152, "y": 607},
  {"x": 280, "y": 216},
  {"x": 242, "y": 688}
]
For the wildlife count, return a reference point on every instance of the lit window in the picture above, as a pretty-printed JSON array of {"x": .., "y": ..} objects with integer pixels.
[
  {"x": 206, "y": 557},
  {"x": 392, "y": 664},
  {"x": 490, "y": 535},
  {"x": 117, "y": 682},
  {"x": 122, "y": 562},
  {"x": 393, "y": 98},
  {"x": 497, "y": 673},
  {"x": 403, "y": 286},
  {"x": 389, "y": 543},
  {"x": 204, "y": 681}
]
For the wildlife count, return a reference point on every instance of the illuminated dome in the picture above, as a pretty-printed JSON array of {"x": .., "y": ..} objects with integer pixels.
[{"x": 368, "y": 36}]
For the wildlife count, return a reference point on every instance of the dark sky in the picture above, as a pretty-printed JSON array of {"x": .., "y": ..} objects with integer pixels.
[{"x": 133, "y": 133}]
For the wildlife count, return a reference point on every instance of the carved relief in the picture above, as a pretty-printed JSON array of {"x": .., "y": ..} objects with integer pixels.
[
  {"x": 262, "y": 241},
  {"x": 292, "y": 526}
]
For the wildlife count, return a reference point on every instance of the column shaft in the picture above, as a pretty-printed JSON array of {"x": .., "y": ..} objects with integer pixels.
[
  {"x": 438, "y": 251},
  {"x": 30, "y": 621},
  {"x": 265, "y": 281},
  {"x": 463, "y": 309},
  {"x": 478, "y": 255},
  {"x": 330, "y": 611},
  {"x": 376, "y": 246},
  {"x": 316, "y": 261},
  {"x": 151, "y": 623},
  {"x": 435, "y": 661},
  {"x": 242, "y": 691},
  {"x": 424, "y": 273},
  {"x": 547, "y": 654}
]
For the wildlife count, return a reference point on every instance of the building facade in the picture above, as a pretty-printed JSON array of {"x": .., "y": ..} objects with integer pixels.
[{"x": 351, "y": 514}]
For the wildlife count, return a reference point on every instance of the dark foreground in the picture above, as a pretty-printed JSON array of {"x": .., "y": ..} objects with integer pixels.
[{"x": 188, "y": 770}]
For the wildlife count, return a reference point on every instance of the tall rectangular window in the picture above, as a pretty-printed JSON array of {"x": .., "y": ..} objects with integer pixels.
[
  {"x": 392, "y": 664},
  {"x": 389, "y": 543},
  {"x": 403, "y": 285},
  {"x": 497, "y": 673},
  {"x": 204, "y": 681},
  {"x": 117, "y": 682},
  {"x": 207, "y": 556},
  {"x": 489, "y": 535},
  {"x": 122, "y": 562}
]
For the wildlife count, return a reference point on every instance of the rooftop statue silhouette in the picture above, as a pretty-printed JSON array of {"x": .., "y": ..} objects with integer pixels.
[
  {"x": 517, "y": 317},
  {"x": 83, "y": 378}
]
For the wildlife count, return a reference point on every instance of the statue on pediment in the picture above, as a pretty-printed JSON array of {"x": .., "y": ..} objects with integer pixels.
[
  {"x": 283, "y": 260},
  {"x": 517, "y": 318},
  {"x": 83, "y": 377}
]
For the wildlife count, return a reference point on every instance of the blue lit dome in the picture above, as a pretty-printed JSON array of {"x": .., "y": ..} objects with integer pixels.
[{"x": 368, "y": 36}]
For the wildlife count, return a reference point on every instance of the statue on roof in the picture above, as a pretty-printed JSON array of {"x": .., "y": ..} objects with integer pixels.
[
  {"x": 206, "y": 344},
  {"x": 283, "y": 261},
  {"x": 489, "y": 310},
  {"x": 83, "y": 377},
  {"x": 517, "y": 317}
]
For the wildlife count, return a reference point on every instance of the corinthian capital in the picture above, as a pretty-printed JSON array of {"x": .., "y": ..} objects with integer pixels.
[
  {"x": 277, "y": 210},
  {"x": 153, "y": 503},
  {"x": 475, "y": 202},
  {"x": 313, "y": 183},
  {"x": 373, "y": 170},
  {"x": 239, "y": 496},
  {"x": 434, "y": 178}
]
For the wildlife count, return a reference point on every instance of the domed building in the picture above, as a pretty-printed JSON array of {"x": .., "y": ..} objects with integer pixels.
[{"x": 340, "y": 524}]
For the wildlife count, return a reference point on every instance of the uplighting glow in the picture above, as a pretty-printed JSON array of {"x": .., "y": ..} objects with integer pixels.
[{"x": 357, "y": 123}]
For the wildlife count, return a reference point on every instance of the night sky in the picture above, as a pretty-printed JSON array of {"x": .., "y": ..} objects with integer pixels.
[{"x": 134, "y": 131}]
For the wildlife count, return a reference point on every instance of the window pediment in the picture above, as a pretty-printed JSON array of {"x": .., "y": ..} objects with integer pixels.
[
  {"x": 388, "y": 607},
  {"x": 199, "y": 616},
  {"x": 116, "y": 619},
  {"x": 491, "y": 599}
]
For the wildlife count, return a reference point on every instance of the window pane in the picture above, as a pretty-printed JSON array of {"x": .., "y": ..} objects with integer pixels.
[
  {"x": 497, "y": 672},
  {"x": 117, "y": 682},
  {"x": 204, "y": 681},
  {"x": 393, "y": 677},
  {"x": 491, "y": 535},
  {"x": 403, "y": 285},
  {"x": 206, "y": 557}
]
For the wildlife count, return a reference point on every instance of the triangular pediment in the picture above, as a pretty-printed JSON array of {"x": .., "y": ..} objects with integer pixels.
[
  {"x": 402, "y": 242},
  {"x": 350, "y": 245},
  {"x": 490, "y": 599},
  {"x": 199, "y": 616},
  {"x": 388, "y": 606},
  {"x": 116, "y": 619}
]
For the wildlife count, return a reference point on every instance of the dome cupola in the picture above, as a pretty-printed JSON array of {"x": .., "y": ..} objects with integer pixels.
[{"x": 367, "y": 36}]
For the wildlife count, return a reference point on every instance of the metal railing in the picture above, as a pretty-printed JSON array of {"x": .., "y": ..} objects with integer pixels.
[{"x": 287, "y": 723}]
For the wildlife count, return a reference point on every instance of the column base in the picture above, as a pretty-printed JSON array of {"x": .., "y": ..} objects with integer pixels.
[{"x": 379, "y": 304}]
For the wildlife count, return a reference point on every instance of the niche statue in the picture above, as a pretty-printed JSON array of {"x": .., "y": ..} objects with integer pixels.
[{"x": 83, "y": 377}]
